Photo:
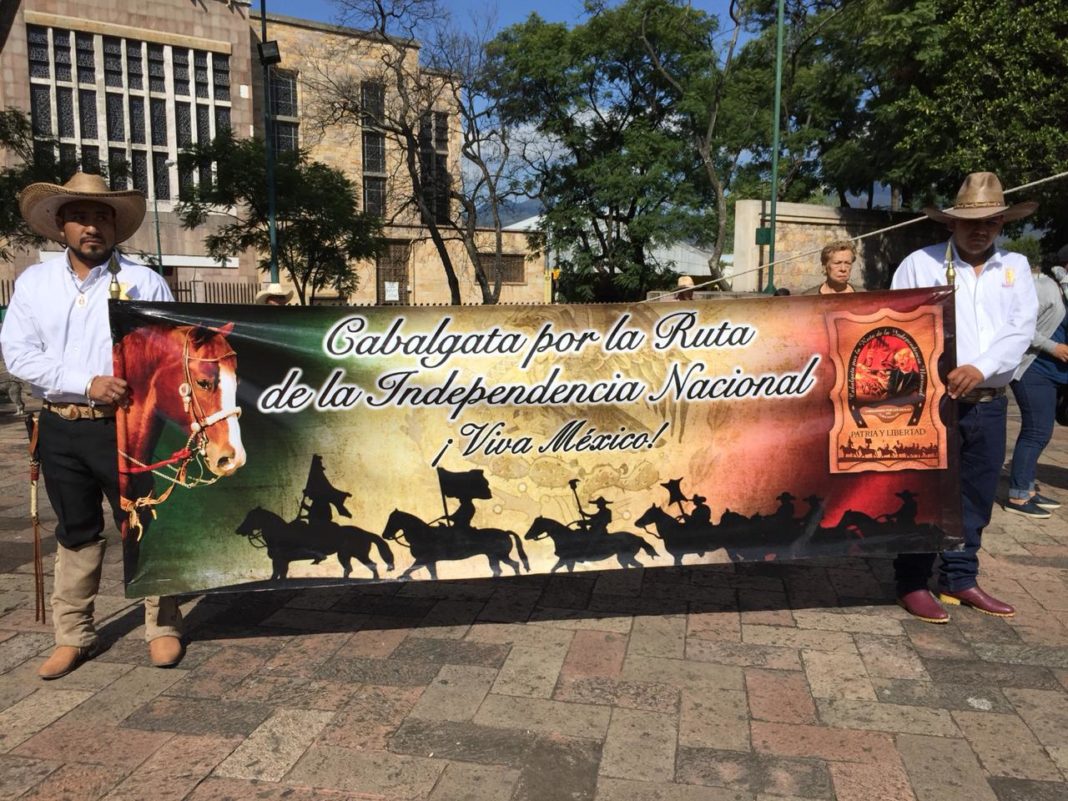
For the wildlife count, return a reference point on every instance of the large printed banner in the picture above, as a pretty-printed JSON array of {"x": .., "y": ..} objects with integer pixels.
[{"x": 272, "y": 447}]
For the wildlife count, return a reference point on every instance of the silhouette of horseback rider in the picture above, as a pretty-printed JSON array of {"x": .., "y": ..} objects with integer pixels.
[
  {"x": 320, "y": 495},
  {"x": 701, "y": 514},
  {"x": 785, "y": 512},
  {"x": 465, "y": 487},
  {"x": 906, "y": 514},
  {"x": 597, "y": 523}
]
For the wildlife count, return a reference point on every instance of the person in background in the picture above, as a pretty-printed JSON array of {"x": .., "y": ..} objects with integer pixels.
[
  {"x": 57, "y": 337},
  {"x": 1044, "y": 368},
  {"x": 684, "y": 288},
  {"x": 996, "y": 308},
  {"x": 274, "y": 295},
  {"x": 837, "y": 259}
]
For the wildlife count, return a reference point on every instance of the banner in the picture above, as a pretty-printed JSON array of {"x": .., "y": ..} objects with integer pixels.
[{"x": 269, "y": 446}]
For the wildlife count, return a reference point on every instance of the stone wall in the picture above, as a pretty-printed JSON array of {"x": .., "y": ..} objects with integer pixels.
[{"x": 804, "y": 227}]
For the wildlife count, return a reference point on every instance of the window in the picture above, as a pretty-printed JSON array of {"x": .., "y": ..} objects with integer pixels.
[
  {"x": 513, "y": 267},
  {"x": 373, "y": 102},
  {"x": 391, "y": 274},
  {"x": 124, "y": 114},
  {"x": 441, "y": 131},
  {"x": 374, "y": 195},
  {"x": 284, "y": 110},
  {"x": 374, "y": 152}
]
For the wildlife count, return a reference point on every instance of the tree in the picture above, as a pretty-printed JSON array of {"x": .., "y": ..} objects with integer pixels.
[
  {"x": 620, "y": 174},
  {"x": 319, "y": 228},
  {"x": 415, "y": 110}
]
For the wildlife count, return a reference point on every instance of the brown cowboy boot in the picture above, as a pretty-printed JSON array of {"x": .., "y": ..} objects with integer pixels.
[
  {"x": 163, "y": 620},
  {"x": 73, "y": 599}
]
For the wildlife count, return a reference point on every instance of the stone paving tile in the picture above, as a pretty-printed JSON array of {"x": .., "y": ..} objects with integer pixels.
[
  {"x": 270, "y": 751},
  {"x": 1045, "y": 656},
  {"x": 1006, "y": 747},
  {"x": 683, "y": 673},
  {"x": 647, "y": 696},
  {"x": 810, "y": 639},
  {"x": 451, "y": 652},
  {"x": 594, "y": 654},
  {"x": 857, "y": 782},
  {"x": 661, "y": 636},
  {"x": 889, "y": 657},
  {"x": 378, "y": 671},
  {"x": 1044, "y": 712},
  {"x": 577, "y": 620},
  {"x": 303, "y": 655},
  {"x": 455, "y": 693},
  {"x": 757, "y": 773},
  {"x": 131, "y": 690},
  {"x": 713, "y": 718},
  {"x": 877, "y": 716},
  {"x": 780, "y": 696},
  {"x": 448, "y": 620},
  {"x": 510, "y": 604},
  {"x": 938, "y": 642},
  {"x": 609, "y": 789},
  {"x": 370, "y": 717},
  {"x": 980, "y": 673},
  {"x": 640, "y": 746},
  {"x": 743, "y": 654},
  {"x": 22, "y": 720},
  {"x": 18, "y": 647},
  {"x": 370, "y": 643},
  {"x": 941, "y": 696},
  {"x": 822, "y": 742},
  {"x": 75, "y": 782},
  {"x": 1025, "y": 790},
  {"x": 463, "y": 781},
  {"x": 943, "y": 769},
  {"x": 532, "y": 669},
  {"x": 375, "y": 772},
  {"x": 19, "y": 774},
  {"x": 567, "y": 592},
  {"x": 552, "y": 764},
  {"x": 175, "y": 770},
  {"x": 847, "y": 622},
  {"x": 725, "y": 625},
  {"x": 543, "y": 716},
  {"x": 837, "y": 674},
  {"x": 198, "y": 716},
  {"x": 97, "y": 744},
  {"x": 465, "y": 742},
  {"x": 291, "y": 691}
]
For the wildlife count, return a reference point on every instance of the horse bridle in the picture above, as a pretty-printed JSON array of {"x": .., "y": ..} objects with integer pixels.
[{"x": 199, "y": 422}]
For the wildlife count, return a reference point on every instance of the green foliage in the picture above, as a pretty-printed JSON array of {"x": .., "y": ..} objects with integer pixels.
[
  {"x": 624, "y": 174},
  {"x": 319, "y": 228},
  {"x": 1028, "y": 245}
]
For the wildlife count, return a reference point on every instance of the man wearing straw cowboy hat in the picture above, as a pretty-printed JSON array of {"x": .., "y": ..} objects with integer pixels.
[
  {"x": 273, "y": 295},
  {"x": 57, "y": 336},
  {"x": 996, "y": 309}
]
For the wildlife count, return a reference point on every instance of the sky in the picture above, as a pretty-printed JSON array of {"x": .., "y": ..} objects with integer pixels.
[{"x": 508, "y": 11}]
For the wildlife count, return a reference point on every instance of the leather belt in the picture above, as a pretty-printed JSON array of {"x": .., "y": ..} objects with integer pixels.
[
  {"x": 982, "y": 395},
  {"x": 80, "y": 411}
]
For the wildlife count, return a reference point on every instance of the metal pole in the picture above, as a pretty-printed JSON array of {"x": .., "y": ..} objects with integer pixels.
[
  {"x": 159, "y": 247},
  {"x": 269, "y": 136},
  {"x": 770, "y": 288}
]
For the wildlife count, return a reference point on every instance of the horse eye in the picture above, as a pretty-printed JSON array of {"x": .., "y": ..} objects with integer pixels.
[{"x": 205, "y": 383}]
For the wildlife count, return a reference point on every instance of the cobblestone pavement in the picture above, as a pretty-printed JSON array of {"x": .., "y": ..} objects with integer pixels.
[{"x": 747, "y": 682}]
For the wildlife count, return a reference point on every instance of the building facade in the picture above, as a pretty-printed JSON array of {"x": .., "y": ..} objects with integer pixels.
[{"x": 114, "y": 83}]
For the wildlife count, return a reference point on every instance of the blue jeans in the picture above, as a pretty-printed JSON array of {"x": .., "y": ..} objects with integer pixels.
[
  {"x": 1036, "y": 395},
  {"x": 982, "y": 451}
]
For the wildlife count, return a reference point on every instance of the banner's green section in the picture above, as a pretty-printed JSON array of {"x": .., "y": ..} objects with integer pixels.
[{"x": 270, "y": 447}]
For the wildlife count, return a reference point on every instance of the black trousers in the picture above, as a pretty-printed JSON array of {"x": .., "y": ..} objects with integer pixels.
[{"x": 79, "y": 462}]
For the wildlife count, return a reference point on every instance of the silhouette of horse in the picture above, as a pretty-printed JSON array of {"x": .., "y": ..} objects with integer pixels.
[
  {"x": 576, "y": 546},
  {"x": 872, "y": 533},
  {"x": 679, "y": 539},
  {"x": 298, "y": 540},
  {"x": 186, "y": 375},
  {"x": 432, "y": 544}
]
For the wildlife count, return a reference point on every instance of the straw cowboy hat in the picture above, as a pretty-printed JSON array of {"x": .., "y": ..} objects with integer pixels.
[
  {"x": 685, "y": 282},
  {"x": 980, "y": 197},
  {"x": 273, "y": 291},
  {"x": 40, "y": 203}
]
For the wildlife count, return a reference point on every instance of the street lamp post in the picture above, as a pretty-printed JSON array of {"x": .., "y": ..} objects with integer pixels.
[
  {"x": 770, "y": 289},
  {"x": 269, "y": 55}
]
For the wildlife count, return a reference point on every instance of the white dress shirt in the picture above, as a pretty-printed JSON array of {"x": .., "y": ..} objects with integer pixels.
[
  {"x": 996, "y": 309},
  {"x": 57, "y": 334}
]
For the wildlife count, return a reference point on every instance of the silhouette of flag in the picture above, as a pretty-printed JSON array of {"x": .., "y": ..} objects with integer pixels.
[
  {"x": 468, "y": 484},
  {"x": 674, "y": 488}
]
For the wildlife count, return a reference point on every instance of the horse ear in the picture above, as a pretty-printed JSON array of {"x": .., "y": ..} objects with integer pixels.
[{"x": 225, "y": 330}]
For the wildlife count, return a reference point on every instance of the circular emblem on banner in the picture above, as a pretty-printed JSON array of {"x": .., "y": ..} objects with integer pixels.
[{"x": 887, "y": 378}]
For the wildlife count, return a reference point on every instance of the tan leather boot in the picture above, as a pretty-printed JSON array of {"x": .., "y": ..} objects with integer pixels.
[
  {"x": 163, "y": 621},
  {"x": 77, "y": 580}
]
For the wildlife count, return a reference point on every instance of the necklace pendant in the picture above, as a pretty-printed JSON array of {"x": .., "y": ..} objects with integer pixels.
[{"x": 81, "y": 301}]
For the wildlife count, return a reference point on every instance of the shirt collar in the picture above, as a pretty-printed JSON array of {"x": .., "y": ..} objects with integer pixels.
[
  {"x": 993, "y": 262},
  {"x": 95, "y": 271}
]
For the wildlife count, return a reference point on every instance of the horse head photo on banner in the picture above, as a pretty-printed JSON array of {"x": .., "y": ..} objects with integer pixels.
[{"x": 190, "y": 372}]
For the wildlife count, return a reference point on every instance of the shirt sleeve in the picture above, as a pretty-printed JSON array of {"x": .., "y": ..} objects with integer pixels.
[
  {"x": 1014, "y": 336},
  {"x": 26, "y": 356},
  {"x": 905, "y": 275}
]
